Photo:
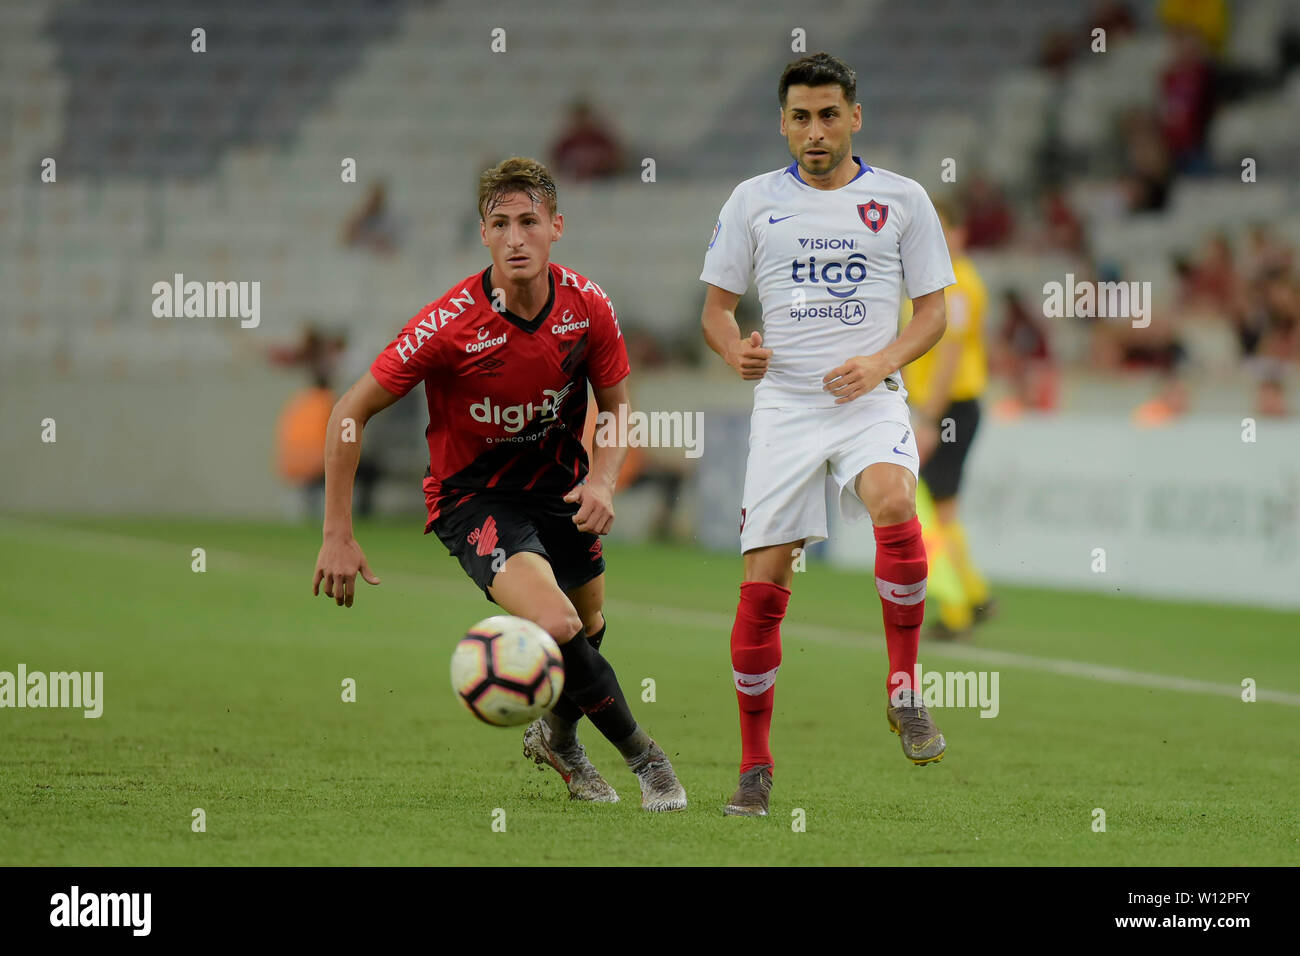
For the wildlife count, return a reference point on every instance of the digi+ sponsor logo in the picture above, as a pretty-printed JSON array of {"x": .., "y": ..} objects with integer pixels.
[{"x": 513, "y": 418}]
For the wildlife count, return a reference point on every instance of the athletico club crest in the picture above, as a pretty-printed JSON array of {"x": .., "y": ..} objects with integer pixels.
[{"x": 873, "y": 214}]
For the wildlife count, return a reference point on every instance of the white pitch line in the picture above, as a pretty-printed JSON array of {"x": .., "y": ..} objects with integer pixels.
[
  {"x": 691, "y": 617},
  {"x": 982, "y": 655}
]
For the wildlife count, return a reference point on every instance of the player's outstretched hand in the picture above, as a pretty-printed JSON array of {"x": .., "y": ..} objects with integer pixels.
[
  {"x": 748, "y": 357},
  {"x": 338, "y": 563},
  {"x": 855, "y": 377},
  {"x": 595, "y": 508}
]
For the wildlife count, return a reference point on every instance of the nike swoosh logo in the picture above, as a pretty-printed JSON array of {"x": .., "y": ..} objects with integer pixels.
[
  {"x": 917, "y": 748},
  {"x": 743, "y": 684},
  {"x": 910, "y": 593},
  {"x": 907, "y": 454},
  {"x": 773, "y": 222}
]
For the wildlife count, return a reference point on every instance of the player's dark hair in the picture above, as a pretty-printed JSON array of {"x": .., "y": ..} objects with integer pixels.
[
  {"x": 518, "y": 174},
  {"x": 819, "y": 69}
]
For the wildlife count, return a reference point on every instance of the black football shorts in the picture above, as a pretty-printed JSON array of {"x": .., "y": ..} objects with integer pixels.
[
  {"x": 489, "y": 527},
  {"x": 942, "y": 472}
]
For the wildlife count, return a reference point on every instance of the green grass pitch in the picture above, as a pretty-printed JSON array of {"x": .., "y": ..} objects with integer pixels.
[{"x": 223, "y": 691}]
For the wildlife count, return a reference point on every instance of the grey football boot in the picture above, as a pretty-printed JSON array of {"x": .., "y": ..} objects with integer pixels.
[
  {"x": 922, "y": 742},
  {"x": 570, "y": 762},
  {"x": 750, "y": 798}
]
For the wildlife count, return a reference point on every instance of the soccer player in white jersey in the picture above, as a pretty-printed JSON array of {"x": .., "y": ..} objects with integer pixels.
[{"x": 831, "y": 243}]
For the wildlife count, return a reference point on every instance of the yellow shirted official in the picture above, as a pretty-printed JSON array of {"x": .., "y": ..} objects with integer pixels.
[
  {"x": 967, "y": 304},
  {"x": 959, "y": 590}
]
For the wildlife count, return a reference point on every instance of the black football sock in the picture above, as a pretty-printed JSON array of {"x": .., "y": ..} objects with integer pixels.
[
  {"x": 593, "y": 686},
  {"x": 564, "y": 716}
]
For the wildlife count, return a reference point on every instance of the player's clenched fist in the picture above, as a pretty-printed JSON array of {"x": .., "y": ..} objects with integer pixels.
[
  {"x": 338, "y": 564},
  {"x": 748, "y": 357},
  {"x": 595, "y": 512}
]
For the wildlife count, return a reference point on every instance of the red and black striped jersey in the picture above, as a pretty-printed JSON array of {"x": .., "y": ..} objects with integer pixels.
[{"x": 507, "y": 396}]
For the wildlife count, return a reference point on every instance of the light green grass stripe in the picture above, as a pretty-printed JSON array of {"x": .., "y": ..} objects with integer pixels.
[{"x": 687, "y": 617}]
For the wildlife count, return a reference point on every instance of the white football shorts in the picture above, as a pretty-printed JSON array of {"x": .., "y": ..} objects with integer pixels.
[{"x": 794, "y": 451}]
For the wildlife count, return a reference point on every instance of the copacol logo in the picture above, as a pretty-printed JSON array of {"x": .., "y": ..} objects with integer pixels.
[{"x": 75, "y": 908}]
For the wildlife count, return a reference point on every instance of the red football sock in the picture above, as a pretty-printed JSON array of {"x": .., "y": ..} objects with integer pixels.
[
  {"x": 901, "y": 570},
  {"x": 755, "y": 657}
]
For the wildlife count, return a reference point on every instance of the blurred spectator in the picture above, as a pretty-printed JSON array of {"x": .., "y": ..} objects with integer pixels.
[
  {"x": 373, "y": 227},
  {"x": 1056, "y": 52},
  {"x": 1265, "y": 254},
  {"x": 1118, "y": 346},
  {"x": 989, "y": 219},
  {"x": 1212, "y": 284},
  {"x": 1170, "y": 403},
  {"x": 300, "y": 442},
  {"x": 301, "y": 426},
  {"x": 1024, "y": 356},
  {"x": 1279, "y": 305},
  {"x": 1206, "y": 19},
  {"x": 317, "y": 352},
  {"x": 1270, "y": 398},
  {"x": 1115, "y": 18},
  {"x": 586, "y": 148},
  {"x": 1187, "y": 103},
  {"x": 1149, "y": 172},
  {"x": 1064, "y": 230}
]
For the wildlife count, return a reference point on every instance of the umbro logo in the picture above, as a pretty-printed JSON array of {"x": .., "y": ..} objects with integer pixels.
[{"x": 488, "y": 363}]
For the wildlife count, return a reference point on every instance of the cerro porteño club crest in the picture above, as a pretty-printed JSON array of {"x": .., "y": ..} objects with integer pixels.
[{"x": 873, "y": 214}]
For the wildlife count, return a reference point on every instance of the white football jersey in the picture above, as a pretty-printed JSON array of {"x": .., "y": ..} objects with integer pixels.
[{"x": 830, "y": 267}]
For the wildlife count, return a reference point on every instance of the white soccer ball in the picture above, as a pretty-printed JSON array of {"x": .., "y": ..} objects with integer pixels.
[{"x": 507, "y": 671}]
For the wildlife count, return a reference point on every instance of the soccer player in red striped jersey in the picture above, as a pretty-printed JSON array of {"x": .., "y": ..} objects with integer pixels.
[{"x": 505, "y": 356}]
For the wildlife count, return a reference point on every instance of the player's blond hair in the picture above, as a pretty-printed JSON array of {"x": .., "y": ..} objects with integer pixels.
[{"x": 518, "y": 174}]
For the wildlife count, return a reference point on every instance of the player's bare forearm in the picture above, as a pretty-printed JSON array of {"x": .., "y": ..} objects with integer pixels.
[
  {"x": 615, "y": 405},
  {"x": 341, "y": 559},
  {"x": 862, "y": 373},
  {"x": 929, "y": 322},
  {"x": 341, "y": 460},
  {"x": 719, "y": 323},
  {"x": 722, "y": 333},
  {"x": 595, "y": 497},
  {"x": 606, "y": 463},
  {"x": 607, "y": 456},
  {"x": 343, "y": 450}
]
